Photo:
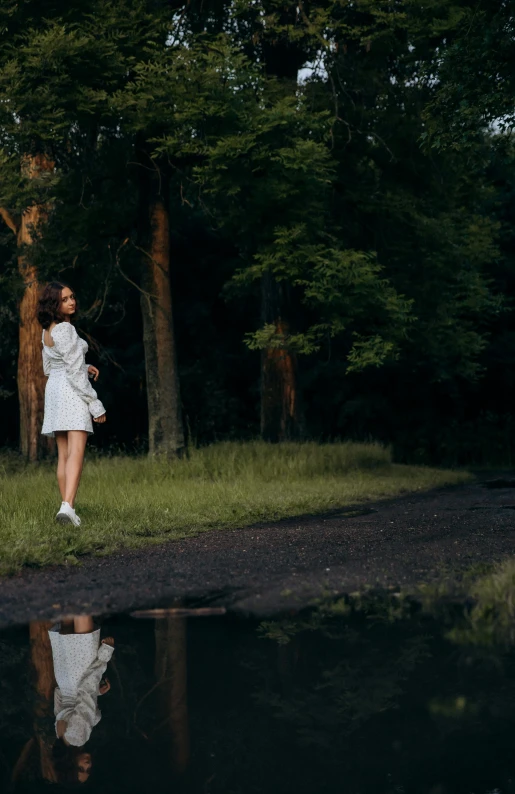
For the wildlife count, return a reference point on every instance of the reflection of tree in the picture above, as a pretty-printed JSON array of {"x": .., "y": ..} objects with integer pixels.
[
  {"x": 344, "y": 696},
  {"x": 154, "y": 707},
  {"x": 171, "y": 675},
  {"x": 36, "y": 754},
  {"x": 343, "y": 676},
  {"x": 348, "y": 673},
  {"x": 360, "y": 701}
]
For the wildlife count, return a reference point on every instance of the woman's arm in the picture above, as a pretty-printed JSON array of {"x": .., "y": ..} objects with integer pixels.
[
  {"x": 91, "y": 677},
  {"x": 82, "y": 717},
  {"x": 58, "y": 701},
  {"x": 67, "y": 343}
]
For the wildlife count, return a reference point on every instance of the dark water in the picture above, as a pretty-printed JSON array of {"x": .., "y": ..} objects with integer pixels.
[{"x": 384, "y": 697}]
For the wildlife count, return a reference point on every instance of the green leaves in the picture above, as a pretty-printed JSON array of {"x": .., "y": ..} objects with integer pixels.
[
  {"x": 270, "y": 183},
  {"x": 475, "y": 75},
  {"x": 342, "y": 287}
]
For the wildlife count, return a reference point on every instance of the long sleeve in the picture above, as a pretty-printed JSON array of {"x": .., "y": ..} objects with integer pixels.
[
  {"x": 58, "y": 701},
  {"x": 81, "y": 712},
  {"x": 91, "y": 678},
  {"x": 68, "y": 345}
]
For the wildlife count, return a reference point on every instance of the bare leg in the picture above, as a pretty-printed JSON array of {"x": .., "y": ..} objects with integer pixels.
[
  {"x": 76, "y": 446},
  {"x": 61, "y": 438},
  {"x": 83, "y": 624}
]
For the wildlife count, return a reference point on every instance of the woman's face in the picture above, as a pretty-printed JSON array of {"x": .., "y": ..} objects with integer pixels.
[
  {"x": 84, "y": 766},
  {"x": 67, "y": 302}
]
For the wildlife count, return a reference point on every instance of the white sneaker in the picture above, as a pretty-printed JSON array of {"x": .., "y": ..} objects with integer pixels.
[{"x": 67, "y": 515}]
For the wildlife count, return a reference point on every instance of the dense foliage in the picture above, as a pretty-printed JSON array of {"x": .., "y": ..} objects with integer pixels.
[{"x": 340, "y": 149}]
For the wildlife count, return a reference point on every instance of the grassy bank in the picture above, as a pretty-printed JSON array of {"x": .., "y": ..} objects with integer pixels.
[{"x": 126, "y": 501}]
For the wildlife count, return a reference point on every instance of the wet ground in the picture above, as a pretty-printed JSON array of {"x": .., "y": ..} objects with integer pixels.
[
  {"x": 376, "y": 697},
  {"x": 265, "y": 569},
  {"x": 223, "y": 681}
]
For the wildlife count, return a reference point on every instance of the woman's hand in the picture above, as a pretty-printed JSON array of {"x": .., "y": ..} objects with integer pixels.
[
  {"x": 108, "y": 641},
  {"x": 100, "y": 419},
  {"x": 104, "y": 687},
  {"x": 93, "y": 371}
]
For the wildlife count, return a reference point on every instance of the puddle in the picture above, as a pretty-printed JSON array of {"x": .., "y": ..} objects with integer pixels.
[
  {"x": 499, "y": 483},
  {"x": 382, "y": 697}
]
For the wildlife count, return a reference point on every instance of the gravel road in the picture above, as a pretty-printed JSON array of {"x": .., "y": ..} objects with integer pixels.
[{"x": 267, "y": 568}]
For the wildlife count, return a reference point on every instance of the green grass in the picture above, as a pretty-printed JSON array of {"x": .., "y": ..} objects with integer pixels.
[
  {"x": 491, "y": 617},
  {"x": 128, "y": 501}
]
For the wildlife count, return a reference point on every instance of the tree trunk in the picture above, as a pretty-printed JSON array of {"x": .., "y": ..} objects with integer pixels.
[
  {"x": 42, "y": 668},
  {"x": 279, "y": 400},
  {"x": 165, "y": 427},
  {"x": 31, "y": 379},
  {"x": 171, "y": 669},
  {"x": 280, "y": 412}
]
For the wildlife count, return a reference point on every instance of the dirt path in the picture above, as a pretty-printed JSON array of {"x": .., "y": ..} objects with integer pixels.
[{"x": 267, "y": 568}]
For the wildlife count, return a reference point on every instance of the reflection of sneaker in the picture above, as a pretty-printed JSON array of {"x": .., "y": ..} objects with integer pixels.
[{"x": 67, "y": 515}]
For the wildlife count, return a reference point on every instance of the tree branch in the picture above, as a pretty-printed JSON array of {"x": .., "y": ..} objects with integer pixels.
[{"x": 9, "y": 220}]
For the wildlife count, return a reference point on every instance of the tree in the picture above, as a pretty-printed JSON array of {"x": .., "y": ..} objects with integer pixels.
[
  {"x": 425, "y": 215},
  {"x": 474, "y": 76},
  {"x": 63, "y": 51},
  {"x": 276, "y": 169},
  {"x": 271, "y": 188},
  {"x": 26, "y": 226},
  {"x": 42, "y": 670},
  {"x": 35, "y": 99}
]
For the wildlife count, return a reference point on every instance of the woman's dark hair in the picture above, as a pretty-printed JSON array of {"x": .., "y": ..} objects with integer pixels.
[
  {"x": 66, "y": 764},
  {"x": 49, "y": 305}
]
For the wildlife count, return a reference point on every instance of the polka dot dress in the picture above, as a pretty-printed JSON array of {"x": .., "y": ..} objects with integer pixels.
[
  {"x": 70, "y": 399},
  {"x": 73, "y": 654}
]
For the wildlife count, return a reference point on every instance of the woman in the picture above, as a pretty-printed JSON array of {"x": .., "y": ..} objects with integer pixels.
[
  {"x": 70, "y": 400},
  {"x": 80, "y": 660}
]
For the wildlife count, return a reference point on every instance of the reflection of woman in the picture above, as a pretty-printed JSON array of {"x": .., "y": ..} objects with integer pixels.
[{"x": 80, "y": 660}]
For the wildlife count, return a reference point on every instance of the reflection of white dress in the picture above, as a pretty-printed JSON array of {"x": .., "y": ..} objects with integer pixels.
[
  {"x": 70, "y": 399},
  {"x": 79, "y": 663}
]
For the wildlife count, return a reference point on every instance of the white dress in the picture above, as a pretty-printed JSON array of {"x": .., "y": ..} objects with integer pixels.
[
  {"x": 70, "y": 399},
  {"x": 80, "y": 661}
]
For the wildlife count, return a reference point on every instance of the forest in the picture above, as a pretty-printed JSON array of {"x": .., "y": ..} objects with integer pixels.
[{"x": 287, "y": 221}]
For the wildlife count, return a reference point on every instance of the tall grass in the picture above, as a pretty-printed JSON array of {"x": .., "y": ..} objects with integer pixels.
[
  {"x": 130, "y": 501},
  {"x": 490, "y": 620}
]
